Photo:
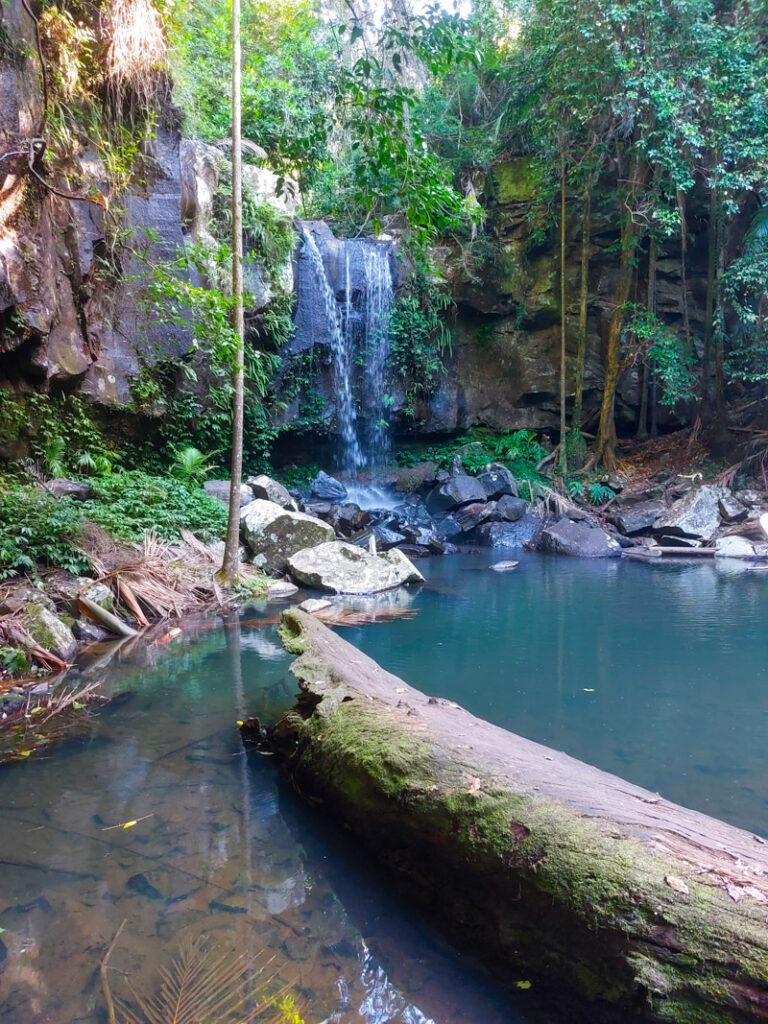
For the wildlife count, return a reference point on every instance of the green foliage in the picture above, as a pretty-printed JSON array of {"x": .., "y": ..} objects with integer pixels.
[
  {"x": 12, "y": 661},
  {"x": 37, "y": 528},
  {"x": 192, "y": 467},
  {"x": 519, "y": 450},
  {"x": 672, "y": 358},
  {"x": 599, "y": 493},
  {"x": 127, "y": 504},
  {"x": 61, "y": 435},
  {"x": 744, "y": 284},
  {"x": 420, "y": 339},
  {"x": 298, "y": 477}
]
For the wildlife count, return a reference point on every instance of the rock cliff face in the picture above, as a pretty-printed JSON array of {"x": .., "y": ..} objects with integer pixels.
[{"x": 72, "y": 315}]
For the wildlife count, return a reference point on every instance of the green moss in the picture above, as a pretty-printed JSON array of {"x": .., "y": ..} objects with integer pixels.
[{"x": 517, "y": 181}]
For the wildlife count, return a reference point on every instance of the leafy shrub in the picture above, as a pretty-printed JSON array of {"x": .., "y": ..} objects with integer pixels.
[
  {"x": 36, "y": 527},
  {"x": 519, "y": 450},
  {"x": 127, "y": 504}
]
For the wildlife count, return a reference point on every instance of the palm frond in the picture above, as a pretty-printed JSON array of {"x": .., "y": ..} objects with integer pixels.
[{"x": 205, "y": 986}]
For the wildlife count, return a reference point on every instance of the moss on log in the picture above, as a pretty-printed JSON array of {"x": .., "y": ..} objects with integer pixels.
[{"x": 547, "y": 868}]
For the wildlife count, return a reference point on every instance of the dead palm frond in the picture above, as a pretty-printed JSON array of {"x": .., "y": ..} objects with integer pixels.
[
  {"x": 137, "y": 51},
  {"x": 204, "y": 986}
]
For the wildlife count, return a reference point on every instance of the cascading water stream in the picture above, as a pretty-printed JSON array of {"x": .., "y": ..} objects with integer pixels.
[
  {"x": 358, "y": 330},
  {"x": 352, "y": 456}
]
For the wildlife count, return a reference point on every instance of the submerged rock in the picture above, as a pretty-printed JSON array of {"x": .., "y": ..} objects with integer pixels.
[
  {"x": 273, "y": 533},
  {"x": 220, "y": 489},
  {"x": 343, "y": 568},
  {"x": 328, "y": 488},
  {"x": 579, "y": 540},
  {"x": 265, "y": 487},
  {"x": 696, "y": 514},
  {"x": 504, "y": 566}
]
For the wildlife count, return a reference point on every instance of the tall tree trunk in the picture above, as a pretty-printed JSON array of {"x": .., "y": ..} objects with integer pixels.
[
  {"x": 709, "y": 305},
  {"x": 605, "y": 446},
  {"x": 563, "y": 421},
  {"x": 581, "y": 350},
  {"x": 230, "y": 567},
  {"x": 642, "y": 421},
  {"x": 719, "y": 330},
  {"x": 684, "y": 267}
]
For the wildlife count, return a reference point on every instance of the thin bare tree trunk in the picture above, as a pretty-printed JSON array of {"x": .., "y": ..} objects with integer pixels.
[
  {"x": 563, "y": 421},
  {"x": 709, "y": 313},
  {"x": 230, "y": 567},
  {"x": 605, "y": 445},
  {"x": 581, "y": 350},
  {"x": 642, "y": 421},
  {"x": 684, "y": 267}
]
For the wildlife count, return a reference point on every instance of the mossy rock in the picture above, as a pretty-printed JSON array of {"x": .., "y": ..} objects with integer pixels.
[{"x": 517, "y": 181}]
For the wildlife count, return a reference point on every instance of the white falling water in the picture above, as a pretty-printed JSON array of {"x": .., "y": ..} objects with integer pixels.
[
  {"x": 358, "y": 329},
  {"x": 341, "y": 345},
  {"x": 378, "y": 306}
]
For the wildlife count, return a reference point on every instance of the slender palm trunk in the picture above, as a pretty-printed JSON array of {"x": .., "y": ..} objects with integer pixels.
[
  {"x": 581, "y": 350},
  {"x": 563, "y": 421},
  {"x": 229, "y": 569},
  {"x": 684, "y": 267}
]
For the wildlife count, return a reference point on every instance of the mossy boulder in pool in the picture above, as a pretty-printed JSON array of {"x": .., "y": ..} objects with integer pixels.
[
  {"x": 347, "y": 569},
  {"x": 50, "y": 632},
  {"x": 273, "y": 534}
]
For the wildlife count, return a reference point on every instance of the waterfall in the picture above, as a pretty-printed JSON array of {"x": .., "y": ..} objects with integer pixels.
[
  {"x": 378, "y": 304},
  {"x": 356, "y": 325},
  {"x": 352, "y": 456}
]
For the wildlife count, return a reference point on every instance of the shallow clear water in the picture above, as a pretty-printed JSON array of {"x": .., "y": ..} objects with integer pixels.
[{"x": 655, "y": 672}]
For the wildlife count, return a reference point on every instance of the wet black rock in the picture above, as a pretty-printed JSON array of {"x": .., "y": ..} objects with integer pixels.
[
  {"x": 510, "y": 508},
  {"x": 455, "y": 492},
  {"x": 515, "y": 536},
  {"x": 470, "y": 516},
  {"x": 448, "y": 527},
  {"x": 496, "y": 480},
  {"x": 328, "y": 488},
  {"x": 638, "y": 518},
  {"x": 579, "y": 540},
  {"x": 348, "y": 519}
]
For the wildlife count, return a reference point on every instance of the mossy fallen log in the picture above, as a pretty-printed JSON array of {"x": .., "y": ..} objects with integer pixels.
[{"x": 550, "y": 870}]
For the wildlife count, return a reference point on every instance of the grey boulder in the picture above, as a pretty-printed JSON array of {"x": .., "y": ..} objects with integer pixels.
[
  {"x": 510, "y": 509},
  {"x": 49, "y": 632},
  {"x": 455, "y": 492},
  {"x": 63, "y": 488},
  {"x": 696, "y": 514},
  {"x": 328, "y": 488},
  {"x": 636, "y": 518},
  {"x": 220, "y": 489},
  {"x": 496, "y": 480},
  {"x": 579, "y": 540},
  {"x": 272, "y": 534},
  {"x": 341, "y": 568},
  {"x": 267, "y": 489},
  {"x": 523, "y": 533},
  {"x": 734, "y": 547}
]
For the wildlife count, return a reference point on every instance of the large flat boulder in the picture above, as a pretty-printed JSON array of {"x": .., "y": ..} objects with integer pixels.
[
  {"x": 696, "y": 514},
  {"x": 272, "y": 534},
  {"x": 342, "y": 568},
  {"x": 579, "y": 540}
]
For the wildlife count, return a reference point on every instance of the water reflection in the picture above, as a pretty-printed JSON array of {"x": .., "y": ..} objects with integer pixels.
[{"x": 213, "y": 853}]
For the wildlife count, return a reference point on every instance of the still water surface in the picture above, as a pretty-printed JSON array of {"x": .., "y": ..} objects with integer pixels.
[{"x": 657, "y": 673}]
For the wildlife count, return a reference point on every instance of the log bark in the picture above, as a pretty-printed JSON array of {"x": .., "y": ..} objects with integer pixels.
[{"x": 549, "y": 870}]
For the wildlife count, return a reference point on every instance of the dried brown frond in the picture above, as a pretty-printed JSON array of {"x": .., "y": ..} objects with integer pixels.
[
  {"x": 137, "y": 53},
  {"x": 205, "y": 986}
]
